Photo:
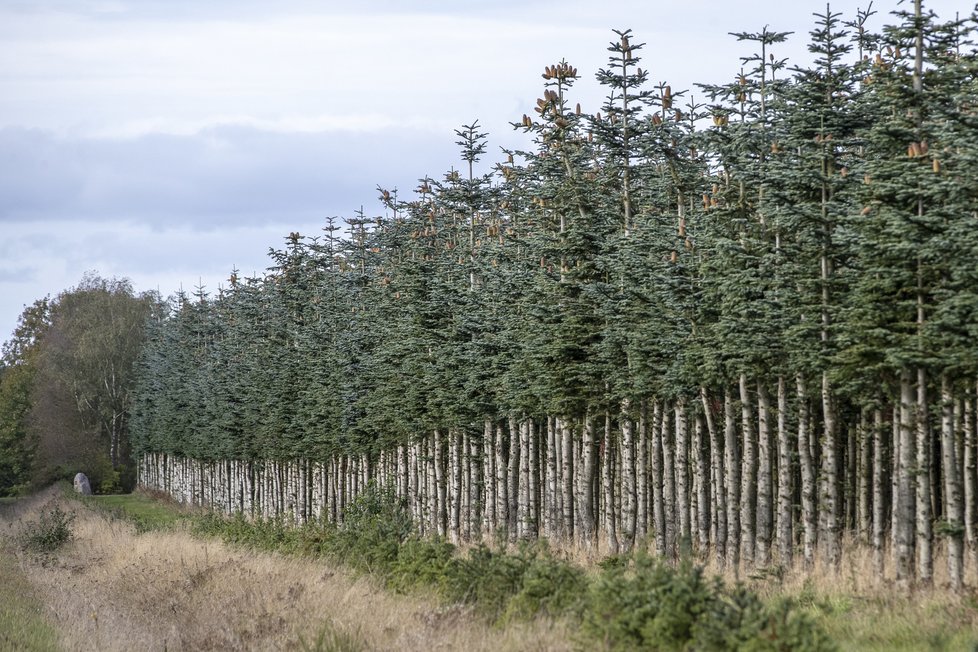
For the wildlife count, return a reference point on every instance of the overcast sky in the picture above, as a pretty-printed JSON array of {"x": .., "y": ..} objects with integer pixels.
[{"x": 170, "y": 141}]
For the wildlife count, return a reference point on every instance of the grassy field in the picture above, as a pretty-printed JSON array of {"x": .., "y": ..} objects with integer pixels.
[
  {"x": 23, "y": 623},
  {"x": 858, "y": 610},
  {"x": 144, "y": 511},
  {"x": 160, "y": 585},
  {"x": 116, "y": 587}
]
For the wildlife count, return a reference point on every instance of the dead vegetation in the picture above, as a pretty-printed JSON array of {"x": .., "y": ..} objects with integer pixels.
[{"x": 113, "y": 589}]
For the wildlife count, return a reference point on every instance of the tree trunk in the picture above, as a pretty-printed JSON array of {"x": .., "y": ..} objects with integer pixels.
[
  {"x": 439, "y": 511},
  {"x": 701, "y": 485},
  {"x": 513, "y": 479},
  {"x": 925, "y": 534},
  {"x": 952, "y": 489},
  {"x": 523, "y": 502},
  {"x": 732, "y": 480},
  {"x": 668, "y": 483},
  {"x": 764, "y": 484},
  {"x": 658, "y": 504},
  {"x": 627, "y": 535},
  {"x": 879, "y": 513},
  {"x": 608, "y": 486},
  {"x": 489, "y": 474},
  {"x": 830, "y": 505},
  {"x": 864, "y": 512},
  {"x": 718, "y": 526},
  {"x": 807, "y": 464},
  {"x": 682, "y": 479},
  {"x": 785, "y": 488},
  {"x": 642, "y": 471},
  {"x": 567, "y": 477},
  {"x": 904, "y": 519},
  {"x": 551, "y": 516},
  {"x": 748, "y": 478},
  {"x": 586, "y": 519},
  {"x": 502, "y": 483},
  {"x": 970, "y": 483}
]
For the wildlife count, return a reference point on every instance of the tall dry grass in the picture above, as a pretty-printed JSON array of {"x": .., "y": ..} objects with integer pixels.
[{"x": 113, "y": 589}]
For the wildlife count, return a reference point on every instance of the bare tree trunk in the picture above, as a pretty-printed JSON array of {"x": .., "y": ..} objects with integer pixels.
[
  {"x": 586, "y": 519},
  {"x": 748, "y": 478},
  {"x": 830, "y": 505},
  {"x": 502, "y": 482},
  {"x": 489, "y": 474},
  {"x": 567, "y": 476},
  {"x": 807, "y": 465},
  {"x": 970, "y": 483},
  {"x": 785, "y": 488},
  {"x": 879, "y": 514},
  {"x": 627, "y": 535},
  {"x": 865, "y": 514},
  {"x": 952, "y": 488},
  {"x": 904, "y": 519},
  {"x": 701, "y": 485},
  {"x": 513, "y": 478},
  {"x": 439, "y": 511},
  {"x": 764, "y": 484},
  {"x": 682, "y": 482},
  {"x": 551, "y": 511},
  {"x": 608, "y": 486},
  {"x": 455, "y": 481},
  {"x": 925, "y": 534},
  {"x": 642, "y": 471},
  {"x": 523, "y": 502},
  {"x": 668, "y": 483},
  {"x": 658, "y": 504},
  {"x": 732, "y": 481},
  {"x": 718, "y": 526},
  {"x": 534, "y": 480}
]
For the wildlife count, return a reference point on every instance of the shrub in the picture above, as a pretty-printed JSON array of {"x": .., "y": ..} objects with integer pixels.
[
  {"x": 549, "y": 586},
  {"x": 485, "y": 579},
  {"x": 49, "y": 533},
  {"x": 421, "y": 562},
  {"x": 374, "y": 526},
  {"x": 648, "y": 605}
]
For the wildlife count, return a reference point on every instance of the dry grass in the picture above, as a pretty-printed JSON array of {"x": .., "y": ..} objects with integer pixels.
[
  {"x": 23, "y": 622},
  {"x": 113, "y": 589},
  {"x": 858, "y": 608}
]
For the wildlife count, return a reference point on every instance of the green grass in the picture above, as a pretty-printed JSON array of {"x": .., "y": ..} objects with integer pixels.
[
  {"x": 896, "y": 623},
  {"x": 146, "y": 512},
  {"x": 22, "y": 622}
]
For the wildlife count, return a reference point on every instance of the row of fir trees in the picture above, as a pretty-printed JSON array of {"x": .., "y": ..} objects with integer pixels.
[{"x": 739, "y": 325}]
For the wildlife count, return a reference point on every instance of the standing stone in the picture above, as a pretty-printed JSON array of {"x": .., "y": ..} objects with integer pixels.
[{"x": 82, "y": 486}]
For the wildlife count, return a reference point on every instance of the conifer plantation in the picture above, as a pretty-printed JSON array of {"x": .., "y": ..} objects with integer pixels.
[{"x": 736, "y": 322}]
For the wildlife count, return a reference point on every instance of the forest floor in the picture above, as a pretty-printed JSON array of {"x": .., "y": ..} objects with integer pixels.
[{"x": 113, "y": 587}]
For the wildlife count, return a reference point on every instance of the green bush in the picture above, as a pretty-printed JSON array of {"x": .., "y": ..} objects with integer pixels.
[
  {"x": 549, "y": 586},
  {"x": 374, "y": 526},
  {"x": 420, "y": 563},
  {"x": 648, "y": 605},
  {"x": 486, "y": 579},
  {"x": 49, "y": 533}
]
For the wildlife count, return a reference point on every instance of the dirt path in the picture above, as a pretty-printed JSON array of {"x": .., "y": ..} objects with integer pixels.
[{"x": 113, "y": 589}]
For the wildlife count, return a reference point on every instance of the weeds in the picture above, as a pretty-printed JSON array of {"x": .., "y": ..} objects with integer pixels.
[
  {"x": 330, "y": 639},
  {"x": 633, "y": 602},
  {"x": 50, "y": 532}
]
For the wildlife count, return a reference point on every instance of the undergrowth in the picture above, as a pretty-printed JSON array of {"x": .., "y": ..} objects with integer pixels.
[
  {"x": 51, "y": 531},
  {"x": 631, "y": 603}
]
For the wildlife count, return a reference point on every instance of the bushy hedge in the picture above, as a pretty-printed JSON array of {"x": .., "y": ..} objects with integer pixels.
[{"x": 629, "y": 603}]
